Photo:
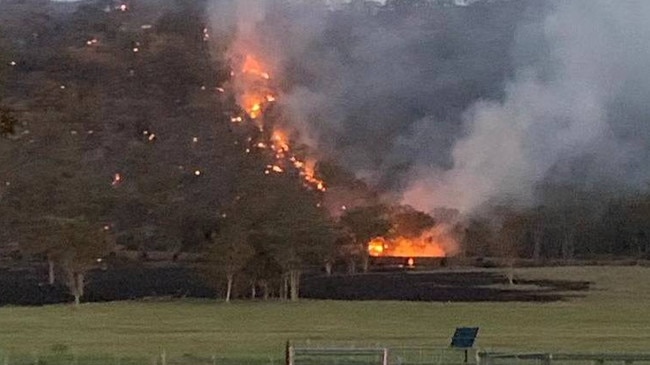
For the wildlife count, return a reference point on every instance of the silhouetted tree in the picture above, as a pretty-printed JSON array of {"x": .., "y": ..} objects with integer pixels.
[
  {"x": 81, "y": 246},
  {"x": 408, "y": 222},
  {"x": 364, "y": 224},
  {"x": 229, "y": 254}
]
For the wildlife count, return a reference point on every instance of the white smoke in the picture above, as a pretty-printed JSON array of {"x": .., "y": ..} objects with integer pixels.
[{"x": 543, "y": 123}]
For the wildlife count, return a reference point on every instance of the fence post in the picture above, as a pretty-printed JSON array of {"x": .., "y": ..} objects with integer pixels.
[
  {"x": 482, "y": 358},
  {"x": 385, "y": 358},
  {"x": 289, "y": 353},
  {"x": 163, "y": 357},
  {"x": 548, "y": 358}
]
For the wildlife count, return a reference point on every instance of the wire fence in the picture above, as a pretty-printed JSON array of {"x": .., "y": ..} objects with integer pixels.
[
  {"x": 547, "y": 358},
  {"x": 422, "y": 355},
  {"x": 71, "y": 358},
  {"x": 310, "y": 354},
  {"x": 431, "y": 356}
]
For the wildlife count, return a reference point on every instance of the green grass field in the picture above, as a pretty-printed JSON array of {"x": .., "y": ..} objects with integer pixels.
[{"x": 613, "y": 317}]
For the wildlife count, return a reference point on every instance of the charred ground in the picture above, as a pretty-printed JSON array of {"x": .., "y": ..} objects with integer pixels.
[{"x": 29, "y": 287}]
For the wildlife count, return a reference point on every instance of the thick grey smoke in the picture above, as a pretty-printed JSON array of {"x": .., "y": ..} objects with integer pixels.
[
  {"x": 583, "y": 123},
  {"x": 554, "y": 120},
  {"x": 458, "y": 106}
]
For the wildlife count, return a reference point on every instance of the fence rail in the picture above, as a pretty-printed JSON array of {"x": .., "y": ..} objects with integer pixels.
[
  {"x": 343, "y": 355},
  {"x": 71, "y": 358},
  {"x": 339, "y": 354},
  {"x": 547, "y": 358},
  {"x": 320, "y": 354}
]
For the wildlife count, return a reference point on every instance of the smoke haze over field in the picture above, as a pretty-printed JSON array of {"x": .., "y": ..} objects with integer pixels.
[{"x": 462, "y": 105}]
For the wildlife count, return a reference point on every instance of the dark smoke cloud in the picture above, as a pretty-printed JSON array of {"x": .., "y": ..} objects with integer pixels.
[{"x": 461, "y": 105}]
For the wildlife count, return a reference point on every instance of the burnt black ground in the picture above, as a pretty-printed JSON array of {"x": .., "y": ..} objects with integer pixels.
[
  {"x": 443, "y": 285},
  {"x": 29, "y": 287}
]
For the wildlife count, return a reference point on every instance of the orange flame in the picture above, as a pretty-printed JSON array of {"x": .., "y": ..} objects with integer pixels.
[
  {"x": 254, "y": 67},
  {"x": 280, "y": 141},
  {"x": 423, "y": 246},
  {"x": 255, "y": 94},
  {"x": 309, "y": 174}
]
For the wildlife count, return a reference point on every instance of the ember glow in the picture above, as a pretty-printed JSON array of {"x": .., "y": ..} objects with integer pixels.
[
  {"x": 117, "y": 178},
  {"x": 423, "y": 246}
]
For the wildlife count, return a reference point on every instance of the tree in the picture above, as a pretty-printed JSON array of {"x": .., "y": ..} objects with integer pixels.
[
  {"x": 510, "y": 236},
  {"x": 640, "y": 220},
  {"x": 4, "y": 61},
  {"x": 285, "y": 219},
  {"x": 61, "y": 185},
  {"x": 81, "y": 245},
  {"x": 262, "y": 271},
  {"x": 8, "y": 123},
  {"x": 297, "y": 229},
  {"x": 538, "y": 225},
  {"x": 478, "y": 237},
  {"x": 408, "y": 222},
  {"x": 229, "y": 254},
  {"x": 364, "y": 224}
]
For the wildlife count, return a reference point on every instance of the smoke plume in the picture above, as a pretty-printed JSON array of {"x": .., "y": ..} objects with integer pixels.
[{"x": 462, "y": 104}]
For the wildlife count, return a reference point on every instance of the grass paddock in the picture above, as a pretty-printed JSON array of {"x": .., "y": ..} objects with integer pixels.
[{"x": 614, "y": 316}]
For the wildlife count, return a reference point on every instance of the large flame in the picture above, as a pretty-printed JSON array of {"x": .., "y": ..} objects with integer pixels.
[
  {"x": 252, "y": 66},
  {"x": 423, "y": 246},
  {"x": 255, "y": 92}
]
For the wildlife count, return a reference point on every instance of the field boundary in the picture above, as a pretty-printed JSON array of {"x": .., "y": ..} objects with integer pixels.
[{"x": 549, "y": 358}]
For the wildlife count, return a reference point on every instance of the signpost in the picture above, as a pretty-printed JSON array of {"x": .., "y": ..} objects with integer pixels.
[{"x": 464, "y": 338}]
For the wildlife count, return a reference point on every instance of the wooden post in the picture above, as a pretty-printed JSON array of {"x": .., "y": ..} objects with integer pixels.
[
  {"x": 481, "y": 358},
  {"x": 384, "y": 360},
  {"x": 288, "y": 354},
  {"x": 548, "y": 358}
]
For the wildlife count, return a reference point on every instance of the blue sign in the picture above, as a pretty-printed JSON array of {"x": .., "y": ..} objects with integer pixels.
[{"x": 464, "y": 337}]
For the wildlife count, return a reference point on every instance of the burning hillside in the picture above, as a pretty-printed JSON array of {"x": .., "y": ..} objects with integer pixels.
[
  {"x": 255, "y": 85},
  {"x": 255, "y": 93}
]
